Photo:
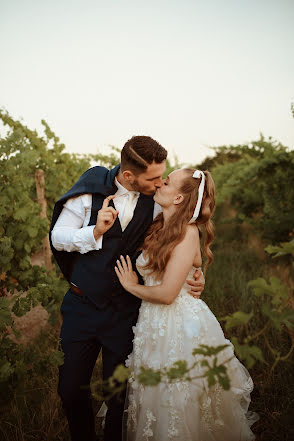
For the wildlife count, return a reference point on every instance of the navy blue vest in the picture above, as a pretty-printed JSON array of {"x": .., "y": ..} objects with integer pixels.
[{"x": 93, "y": 272}]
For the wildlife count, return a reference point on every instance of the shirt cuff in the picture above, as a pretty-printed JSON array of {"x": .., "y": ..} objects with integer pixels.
[{"x": 97, "y": 244}]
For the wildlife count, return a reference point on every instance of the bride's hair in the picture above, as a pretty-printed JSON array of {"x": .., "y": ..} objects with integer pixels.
[{"x": 162, "y": 239}]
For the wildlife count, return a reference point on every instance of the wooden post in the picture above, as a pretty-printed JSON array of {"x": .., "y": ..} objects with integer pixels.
[{"x": 41, "y": 199}]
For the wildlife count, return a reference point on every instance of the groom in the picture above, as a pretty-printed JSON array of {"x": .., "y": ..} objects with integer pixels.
[{"x": 89, "y": 231}]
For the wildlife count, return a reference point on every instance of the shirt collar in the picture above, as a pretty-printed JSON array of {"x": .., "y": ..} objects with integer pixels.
[{"x": 121, "y": 189}]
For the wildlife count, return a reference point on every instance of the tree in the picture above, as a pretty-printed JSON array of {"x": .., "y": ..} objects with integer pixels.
[{"x": 256, "y": 180}]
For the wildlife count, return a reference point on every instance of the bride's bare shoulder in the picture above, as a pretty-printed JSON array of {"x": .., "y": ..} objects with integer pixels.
[{"x": 192, "y": 233}]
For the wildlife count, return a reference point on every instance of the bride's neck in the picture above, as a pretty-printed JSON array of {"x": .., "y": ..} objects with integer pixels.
[{"x": 167, "y": 213}]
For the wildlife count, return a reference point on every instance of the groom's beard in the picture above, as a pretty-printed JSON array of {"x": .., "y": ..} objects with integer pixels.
[{"x": 143, "y": 189}]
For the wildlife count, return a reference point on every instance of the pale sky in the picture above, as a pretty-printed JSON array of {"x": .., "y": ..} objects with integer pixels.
[{"x": 189, "y": 73}]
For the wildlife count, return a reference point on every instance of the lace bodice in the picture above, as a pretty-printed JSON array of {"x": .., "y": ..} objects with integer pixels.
[{"x": 154, "y": 317}]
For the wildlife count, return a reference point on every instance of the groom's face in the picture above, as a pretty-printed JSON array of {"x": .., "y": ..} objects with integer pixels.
[{"x": 150, "y": 180}]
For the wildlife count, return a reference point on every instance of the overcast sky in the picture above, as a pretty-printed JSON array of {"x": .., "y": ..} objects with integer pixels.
[{"x": 189, "y": 73}]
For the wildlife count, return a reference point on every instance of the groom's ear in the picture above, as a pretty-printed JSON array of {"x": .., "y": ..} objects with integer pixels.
[
  {"x": 129, "y": 176},
  {"x": 178, "y": 199}
]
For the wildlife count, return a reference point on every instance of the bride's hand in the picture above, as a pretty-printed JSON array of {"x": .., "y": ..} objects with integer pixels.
[{"x": 125, "y": 273}]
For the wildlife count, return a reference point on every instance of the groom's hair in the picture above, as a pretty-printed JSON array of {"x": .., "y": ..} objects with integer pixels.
[{"x": 140, "y": 151}]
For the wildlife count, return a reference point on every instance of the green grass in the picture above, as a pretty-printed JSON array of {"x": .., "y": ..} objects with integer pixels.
[
  {"x": 226, "y": 291},
  {"x": 31, "y": 409}
]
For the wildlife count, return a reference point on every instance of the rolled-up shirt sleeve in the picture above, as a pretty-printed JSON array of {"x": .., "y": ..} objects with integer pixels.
[{"x": 71, "y": 231}]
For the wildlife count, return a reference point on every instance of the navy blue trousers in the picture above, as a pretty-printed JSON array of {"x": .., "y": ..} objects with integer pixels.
[{"x": 84, "y": 332}]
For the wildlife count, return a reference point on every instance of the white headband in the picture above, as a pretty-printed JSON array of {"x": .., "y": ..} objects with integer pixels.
[{"x": 198, "y": 174}]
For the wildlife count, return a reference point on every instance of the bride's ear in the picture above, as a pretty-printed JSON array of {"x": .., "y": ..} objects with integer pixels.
[{"x": 178, "y": 199}]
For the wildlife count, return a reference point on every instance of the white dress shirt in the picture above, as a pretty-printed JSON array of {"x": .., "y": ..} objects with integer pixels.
[{"x": 71, "y": 231}]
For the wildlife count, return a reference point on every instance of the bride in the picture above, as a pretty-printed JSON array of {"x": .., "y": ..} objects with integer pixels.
[{"x": 171, "y": 324}]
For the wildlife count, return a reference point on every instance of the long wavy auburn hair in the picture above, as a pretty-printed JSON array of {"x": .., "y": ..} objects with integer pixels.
[{"x": 162, "y": 238}]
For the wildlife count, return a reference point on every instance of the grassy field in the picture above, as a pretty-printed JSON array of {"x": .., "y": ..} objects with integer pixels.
[
  {"x": 31, "y": 409},
  {"x": 226, "y": 291}
]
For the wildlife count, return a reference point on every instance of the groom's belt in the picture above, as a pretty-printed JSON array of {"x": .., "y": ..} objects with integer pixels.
[
  {"x": 76, "y": 289},
  {"x": 79, "y": 291}
]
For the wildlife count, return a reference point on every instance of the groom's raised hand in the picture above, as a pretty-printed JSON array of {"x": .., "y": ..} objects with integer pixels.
[{"x": 106, "y": 218}]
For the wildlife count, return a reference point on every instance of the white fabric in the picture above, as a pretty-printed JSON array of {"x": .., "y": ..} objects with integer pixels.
[
  {"x": 129, "y": 209},
  {"x": 183, "y": 411},
  {"x": 198, "y": 174},
  {"x": 121, "y": 198},
  {"x": 71, "y": 231}
]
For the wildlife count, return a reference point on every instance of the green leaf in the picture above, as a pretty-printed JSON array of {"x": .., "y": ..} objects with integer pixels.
[
  {"x": 236, "y": 319},
  {"x": 22, "y": 305},
  {"x": 282, "y": 250},
  {"x": 275, "y": 289},
  {"x": 249, "y": 354},
  {"x": 21, "y": 213},
  {"x": 279, "y": 318},
  {"x": 18, "y": 244},
  {"x": 149, "y": 377},
  {"x": 121, "y": 373},
  {"x": 208, "y": 351},
  {"x": 216, "y": 374},
  {"x": 6, "y": 370},
  {"x": 178, "y": 370},
  {"x": 56, "y": 358},
  {"x": 27, "y": 247},
  {"x": 32, "y": 231},
  {"x": 5, "y": 314},
  {"x": 25, "y": 263},
  {"x": 6, "y": 253}
]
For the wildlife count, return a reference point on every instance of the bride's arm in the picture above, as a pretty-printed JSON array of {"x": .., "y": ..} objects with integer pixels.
[{"x": 174, "y": 276}]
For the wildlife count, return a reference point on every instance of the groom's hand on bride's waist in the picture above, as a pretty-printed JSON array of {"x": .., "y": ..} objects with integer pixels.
[
  {"x": 196, "y": 284},
  {"x": 106, "y": 218}
]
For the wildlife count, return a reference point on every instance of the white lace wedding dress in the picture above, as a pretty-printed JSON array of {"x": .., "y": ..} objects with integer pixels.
[{"x": 183, "y": 411}]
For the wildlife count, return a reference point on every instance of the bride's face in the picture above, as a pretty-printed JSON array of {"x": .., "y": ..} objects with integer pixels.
[{"x": 169, "y": 194}]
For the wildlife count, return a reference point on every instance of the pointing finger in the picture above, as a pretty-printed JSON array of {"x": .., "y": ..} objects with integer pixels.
[{"x": 107, "y": 200}]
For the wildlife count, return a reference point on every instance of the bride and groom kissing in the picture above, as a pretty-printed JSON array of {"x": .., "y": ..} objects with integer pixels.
[{"x": 128, "y": 242}]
